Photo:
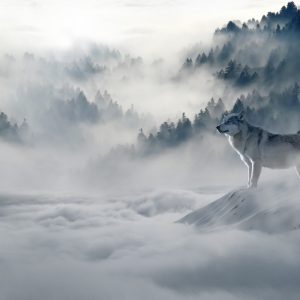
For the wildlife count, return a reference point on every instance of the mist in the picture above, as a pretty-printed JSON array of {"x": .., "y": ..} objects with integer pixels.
[{"x": 115, "y": 183}]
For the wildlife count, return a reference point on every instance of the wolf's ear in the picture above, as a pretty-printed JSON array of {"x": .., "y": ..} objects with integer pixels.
[{"x": 223, "y": 116}]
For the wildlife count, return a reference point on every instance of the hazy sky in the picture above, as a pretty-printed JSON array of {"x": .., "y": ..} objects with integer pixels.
[{"x": 141, "y": 25}]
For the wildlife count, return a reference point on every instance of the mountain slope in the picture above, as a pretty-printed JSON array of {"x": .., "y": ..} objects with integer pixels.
[{"x": 269, "y": 209}]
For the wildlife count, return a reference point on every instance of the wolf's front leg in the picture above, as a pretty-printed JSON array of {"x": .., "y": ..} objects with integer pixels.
[
  {"x": 248, "y": 163},
  {"x": 250, "y": 170},
  {"x": 256, "y": 166}
]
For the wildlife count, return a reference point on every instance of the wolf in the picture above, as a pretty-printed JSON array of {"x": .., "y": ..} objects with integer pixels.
[{"x": 259, "y": 148}]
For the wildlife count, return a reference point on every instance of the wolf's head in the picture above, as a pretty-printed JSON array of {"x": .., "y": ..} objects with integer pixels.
[{"x": 231, "y": 124}]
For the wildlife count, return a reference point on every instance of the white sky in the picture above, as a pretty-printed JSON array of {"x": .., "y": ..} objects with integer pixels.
[{"x": 142, "y": 25}]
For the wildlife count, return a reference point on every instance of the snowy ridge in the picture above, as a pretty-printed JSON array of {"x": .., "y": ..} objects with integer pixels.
[{"x": 269, "y": 209}]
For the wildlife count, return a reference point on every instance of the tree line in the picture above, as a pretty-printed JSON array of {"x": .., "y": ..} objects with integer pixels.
[{"x": 255, "y": 53}]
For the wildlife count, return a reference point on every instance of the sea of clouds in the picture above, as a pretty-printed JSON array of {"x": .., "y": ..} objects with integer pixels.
[{"x": 129, "y": 246}]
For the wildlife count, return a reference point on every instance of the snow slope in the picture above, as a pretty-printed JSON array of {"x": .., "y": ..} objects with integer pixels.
[{"x": 271, "y": 208}]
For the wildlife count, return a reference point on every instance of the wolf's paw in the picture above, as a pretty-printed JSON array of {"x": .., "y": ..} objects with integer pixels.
[{"x": 252, "y": 186}]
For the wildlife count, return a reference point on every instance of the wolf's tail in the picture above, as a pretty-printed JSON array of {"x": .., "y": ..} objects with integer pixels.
[{"x": 298, "y": 132}]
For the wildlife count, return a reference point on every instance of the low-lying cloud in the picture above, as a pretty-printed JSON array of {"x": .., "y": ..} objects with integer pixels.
[{"x": 113, "y": 246}]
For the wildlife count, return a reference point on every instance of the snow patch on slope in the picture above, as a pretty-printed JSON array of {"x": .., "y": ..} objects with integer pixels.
[{"x": 271, "y": 208}]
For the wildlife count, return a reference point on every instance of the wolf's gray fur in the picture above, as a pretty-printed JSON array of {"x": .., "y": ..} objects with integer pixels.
[{"x": 259, "y": 148}]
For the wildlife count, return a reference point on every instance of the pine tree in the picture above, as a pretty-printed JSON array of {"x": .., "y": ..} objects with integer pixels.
[{"x": 211, "y": 57}]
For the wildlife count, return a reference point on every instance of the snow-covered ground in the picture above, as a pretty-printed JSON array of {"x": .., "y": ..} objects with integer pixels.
[
  {"x": 245, "y": 245},
  {"x": 273, "y": 208}
]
